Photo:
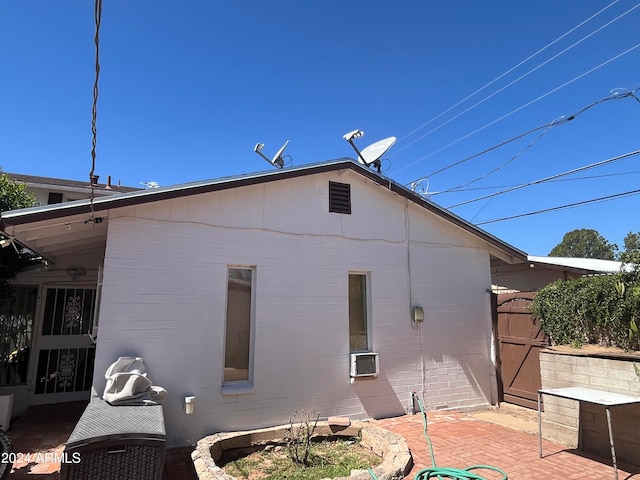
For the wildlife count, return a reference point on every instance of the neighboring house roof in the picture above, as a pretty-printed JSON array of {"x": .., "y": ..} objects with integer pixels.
[
  {"x": 34, "y": 181},
  {"x": 102, "y": 204},
  {"x": 586, "y": 265}
]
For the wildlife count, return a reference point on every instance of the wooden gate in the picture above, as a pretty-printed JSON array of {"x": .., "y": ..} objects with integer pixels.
[{"x": 520, "y": 339}]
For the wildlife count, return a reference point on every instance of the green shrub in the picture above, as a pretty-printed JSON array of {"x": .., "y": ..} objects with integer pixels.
[{"x": 601, "y": 310}]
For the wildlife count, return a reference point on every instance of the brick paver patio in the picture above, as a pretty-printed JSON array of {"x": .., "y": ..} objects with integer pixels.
[{"x": 459, "y": 440}]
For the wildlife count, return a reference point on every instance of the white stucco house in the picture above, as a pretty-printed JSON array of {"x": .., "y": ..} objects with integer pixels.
[{"x": 253, "y": 293}]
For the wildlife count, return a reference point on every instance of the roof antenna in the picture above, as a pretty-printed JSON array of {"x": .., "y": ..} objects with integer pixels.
[
  {"x": 277, "y": 160},
  {"x": 370, "y": 155}
]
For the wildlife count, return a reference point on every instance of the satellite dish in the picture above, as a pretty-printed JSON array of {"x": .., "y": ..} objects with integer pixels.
[
  {"x": 370, "y": 155},
  {"x": 277, "y": 160},
  {"x": 376, "y": 150}
]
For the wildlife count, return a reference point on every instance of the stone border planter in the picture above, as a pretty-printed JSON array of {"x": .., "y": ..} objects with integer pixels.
[{"x": 396, "y": 458}]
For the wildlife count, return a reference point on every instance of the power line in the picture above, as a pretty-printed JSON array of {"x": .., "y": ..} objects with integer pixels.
[
  {"x": 523, "y": 106},
  {"x": 517, "y": 155},
  {"x": 516, "y": 80},
  {"x": 471, "y": 157},
  {"x": 559, "y": 121},
  {"x": 563, "y": 207},
  {"x": 501, "y": 76},
  {"x": 553, "y": 177},
  {"x": 589, "y": 177}
]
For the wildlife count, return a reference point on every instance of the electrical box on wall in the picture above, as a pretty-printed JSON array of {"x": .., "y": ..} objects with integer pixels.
[{"x": 418, "y": 314}]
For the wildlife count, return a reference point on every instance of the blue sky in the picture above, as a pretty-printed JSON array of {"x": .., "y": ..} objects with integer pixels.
[{"x": 188, "y": 88}]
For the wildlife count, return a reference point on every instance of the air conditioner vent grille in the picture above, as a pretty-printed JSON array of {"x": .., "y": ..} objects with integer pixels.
[{"x": 364, "y": 365}]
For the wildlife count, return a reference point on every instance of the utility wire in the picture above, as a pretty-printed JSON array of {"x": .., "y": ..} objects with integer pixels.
[
  {"x": 517, "y": 79},
  {"x": 584, "y": 74},
  {"x": 482, "y": 177},
  {"x": 97, "y": 13},
  {"x": 471, "y": 157},
  {"x": 589, "y": 177},
  {"x": 553, "y": 177},
  {"x": 562, "y": 207},
  {"x": 501, "y": 76},
  {"x": 559, "y": 121}
]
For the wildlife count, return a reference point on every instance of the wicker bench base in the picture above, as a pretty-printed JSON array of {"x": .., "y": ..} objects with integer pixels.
[{"x": 116, "y": 443}]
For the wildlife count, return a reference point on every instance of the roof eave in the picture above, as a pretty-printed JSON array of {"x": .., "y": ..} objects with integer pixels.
[{"x": 102, "y": 204}]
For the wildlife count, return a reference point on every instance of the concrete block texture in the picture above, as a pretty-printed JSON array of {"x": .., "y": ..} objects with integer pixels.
[{"x": 582, "y": 424}]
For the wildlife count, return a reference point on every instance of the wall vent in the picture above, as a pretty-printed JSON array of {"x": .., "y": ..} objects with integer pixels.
[{"x": 340, "y": 198}]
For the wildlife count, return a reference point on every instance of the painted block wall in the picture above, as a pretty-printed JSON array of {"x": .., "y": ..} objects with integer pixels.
[
  {"x": 164, "y": 299},
  {"x": 578, "y": 424}
]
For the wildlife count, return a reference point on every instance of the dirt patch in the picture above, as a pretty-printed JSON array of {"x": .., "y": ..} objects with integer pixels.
[
  {"x": 328, "y": 458},
  {"x": 510, "y": 416}
]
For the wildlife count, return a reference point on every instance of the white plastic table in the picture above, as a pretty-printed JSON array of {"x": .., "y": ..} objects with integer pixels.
[{"x": 589, "y": 395}]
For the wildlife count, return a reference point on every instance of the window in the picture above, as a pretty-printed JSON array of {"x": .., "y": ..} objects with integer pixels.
[
  {"x": 358, "y": 331},
  {"x": 340, "y": 198},
  {"x": 54, "y": 198},
  {"x": 237, "y": 347}
]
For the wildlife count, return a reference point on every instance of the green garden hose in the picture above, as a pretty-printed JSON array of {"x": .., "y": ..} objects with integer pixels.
[{"x": 446, "y": 472}]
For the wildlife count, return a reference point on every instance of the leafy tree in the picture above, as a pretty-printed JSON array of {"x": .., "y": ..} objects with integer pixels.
[
  {"x": 631, "y": 253},
  {"x": 13, "y": 195},
  {"x": 630, "y": 257},
  {"x": 585, "y": 243}
]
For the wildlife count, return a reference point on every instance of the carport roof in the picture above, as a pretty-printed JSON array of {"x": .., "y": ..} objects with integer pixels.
[{"x": 583, "y": 265}]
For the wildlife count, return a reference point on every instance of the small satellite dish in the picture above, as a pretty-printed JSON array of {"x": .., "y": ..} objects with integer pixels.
[
  {"x": 277, "y": 160},
  {"x": 370, "y": 155}
]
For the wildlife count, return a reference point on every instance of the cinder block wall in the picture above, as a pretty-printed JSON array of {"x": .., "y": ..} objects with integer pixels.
[{"x": 582, "y": 425}]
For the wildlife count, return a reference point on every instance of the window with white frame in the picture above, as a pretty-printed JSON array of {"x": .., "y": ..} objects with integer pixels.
[
  {"x": 358, "y": 313},
  {"x": 238, "y": 352}
]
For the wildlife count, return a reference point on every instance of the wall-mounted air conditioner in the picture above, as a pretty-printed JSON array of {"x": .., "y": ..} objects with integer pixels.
[{"x": 364, "y": 365}]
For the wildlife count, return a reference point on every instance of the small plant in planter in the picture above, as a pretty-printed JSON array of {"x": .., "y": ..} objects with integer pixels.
[
  {"x": 305, "y": 449},
  {"x": 299, "y": 436}
]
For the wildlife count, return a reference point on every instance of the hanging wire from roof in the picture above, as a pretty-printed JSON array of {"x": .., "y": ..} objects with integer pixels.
[{"x": 94, "y": 109}]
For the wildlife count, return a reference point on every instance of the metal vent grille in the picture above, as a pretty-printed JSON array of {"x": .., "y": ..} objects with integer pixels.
[
  {"x": 340, "y": 198},
  {"x": 364, "y": 365}
]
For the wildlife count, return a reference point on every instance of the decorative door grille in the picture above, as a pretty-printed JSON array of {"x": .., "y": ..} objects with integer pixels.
[{"x": 66, "y": 353}]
